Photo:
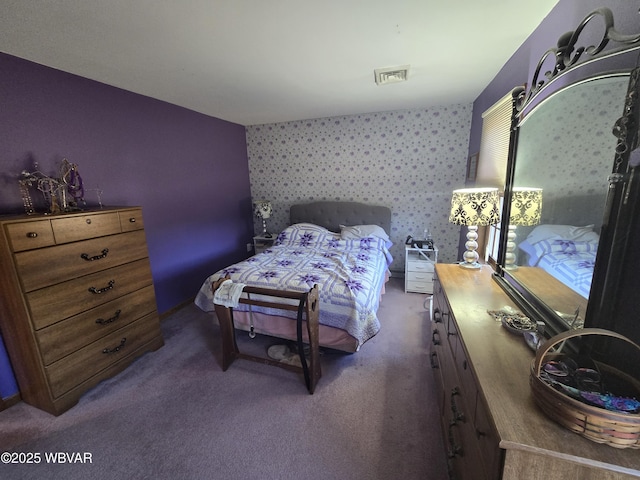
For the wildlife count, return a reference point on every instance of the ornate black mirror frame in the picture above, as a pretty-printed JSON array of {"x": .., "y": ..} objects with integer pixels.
[{"x": 570, "y": 62}]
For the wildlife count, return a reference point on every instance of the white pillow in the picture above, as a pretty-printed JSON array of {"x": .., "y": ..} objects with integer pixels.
[
  {"x": 565, "y": 232},
  {"x": 362, "y": 231},
  {"x": 530, "y": 250}
]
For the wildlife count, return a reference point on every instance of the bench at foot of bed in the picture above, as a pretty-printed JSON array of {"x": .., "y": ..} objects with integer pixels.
[{"x": 307, "y": 309}]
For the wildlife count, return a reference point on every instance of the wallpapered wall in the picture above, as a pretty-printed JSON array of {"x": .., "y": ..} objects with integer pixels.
[
  {"x": 407, "y": 160},
  {"x": 577, "y": 153}
]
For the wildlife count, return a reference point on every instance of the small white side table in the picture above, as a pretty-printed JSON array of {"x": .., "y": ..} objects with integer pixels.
[
  {"x": 261, "y": 243},
  {"x": 419, "y": 269}
]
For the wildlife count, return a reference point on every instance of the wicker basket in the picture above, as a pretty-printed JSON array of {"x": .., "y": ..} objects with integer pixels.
[{"x": 617, "y": 429}]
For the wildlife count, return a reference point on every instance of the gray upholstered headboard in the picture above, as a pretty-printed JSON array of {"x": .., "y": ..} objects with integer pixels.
[
  {"x": 331, "y": 215},
  {"x": 574, "y": 210},
  {"x": 578, "y": 210}
]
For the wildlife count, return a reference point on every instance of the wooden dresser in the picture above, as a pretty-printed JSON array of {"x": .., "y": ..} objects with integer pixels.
[
  {"x": 491, "y": 425},
  {"x": 77, "y": 303}
]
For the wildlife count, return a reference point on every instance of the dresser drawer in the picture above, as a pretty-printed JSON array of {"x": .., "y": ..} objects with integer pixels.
[
  {"x": 84, "y": 363},
  {"x": 464, "y": 453},
  {"x": 420, "y": 266},
  {"x": 28, "y": 235},
  {"x": 420, "y": 276},
  {"x": 488, "y": 441},
  {"x": 439, "y": 302},
  {"x": 465, "y": 376},
  {"x": 420, "y": 285},
  {"x": 67, "y": 336},
  {"x": 438, "y": 360},
  {"x": 82, "y": 227},
  {"x": 48, "y": 266},
  {"x": 52, "y": 304},
  {"x": 131, "y": 220}
]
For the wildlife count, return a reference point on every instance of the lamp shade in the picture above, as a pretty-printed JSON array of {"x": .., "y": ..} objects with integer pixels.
[
  {"x": 262, "y": 208},
  {"x": 475, "y": 206},
  {"x": 526, "y": 206}
]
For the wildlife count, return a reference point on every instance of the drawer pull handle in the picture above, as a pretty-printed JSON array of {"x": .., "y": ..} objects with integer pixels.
[
  {"x": 95, "y": 257},
  {"x": 434, "y": 340},
  {"x": 98, "y": 291},
  {"x": 454, "y": 448},
  {"x": 434, "y": 360},
  {"x": 116, "y": 349},
  {"x": 32, "y": 235},
  {"x": 102, "y": 321},
  {"x": 88, "y": 221},
  {"x": 454, "y": 333},
  {"x": 457, "y": 414},
  {"x": 437, "y": 317},
  {"x": 132, "y": 220}
]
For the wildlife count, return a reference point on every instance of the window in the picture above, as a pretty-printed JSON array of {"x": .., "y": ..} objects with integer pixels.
[
  {"x": 492, "y": 168},
  {"x": 494, "y": 144}
]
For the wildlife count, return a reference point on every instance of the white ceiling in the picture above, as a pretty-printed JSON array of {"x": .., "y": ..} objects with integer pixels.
[{"x": 264, "y": 61}]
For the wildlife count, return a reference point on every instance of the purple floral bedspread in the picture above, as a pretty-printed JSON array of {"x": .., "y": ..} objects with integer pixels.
[
  {"x": 571, "y": 262},
  {"x": 349, "y": 273}
]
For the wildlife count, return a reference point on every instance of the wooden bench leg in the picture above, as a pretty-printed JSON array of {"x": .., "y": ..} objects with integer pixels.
[
  {"x": 313, "y": 331},
  {"x": 229, "y": 346}
]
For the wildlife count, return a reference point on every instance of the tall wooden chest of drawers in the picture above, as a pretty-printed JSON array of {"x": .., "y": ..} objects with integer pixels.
[{"x": 77, "y": 303}]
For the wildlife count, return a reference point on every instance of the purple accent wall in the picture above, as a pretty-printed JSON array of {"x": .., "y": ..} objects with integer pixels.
[
  {"x": 188, "y": 171},
  {"x": 8, "y": 385}
]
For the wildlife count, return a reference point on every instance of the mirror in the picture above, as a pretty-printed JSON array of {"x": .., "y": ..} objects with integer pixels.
[
  {"x": 558, "y": 191},
  {"x": 565, "y": 149}
]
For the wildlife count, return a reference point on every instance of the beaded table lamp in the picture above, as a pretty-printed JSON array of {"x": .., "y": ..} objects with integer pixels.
[
  {"x": 263, "y": 209},
  {"x": 526, "y": 210},
  {"x": 474, "y": 207}
]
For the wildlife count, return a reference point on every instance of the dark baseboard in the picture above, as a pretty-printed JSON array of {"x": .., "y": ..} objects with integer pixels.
[
  {"x": 176, "y": 308},
  {"x": 10, "y": 401}
]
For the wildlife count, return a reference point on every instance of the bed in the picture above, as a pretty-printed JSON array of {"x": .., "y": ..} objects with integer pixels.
[
  {"x": 566, "y": 252},
  {"x": 340, "y": 246}
]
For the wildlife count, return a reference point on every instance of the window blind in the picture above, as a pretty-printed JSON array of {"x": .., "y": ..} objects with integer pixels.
[
  {"x": 492, "y": 164},
  {"x": 494, "y": 144}
]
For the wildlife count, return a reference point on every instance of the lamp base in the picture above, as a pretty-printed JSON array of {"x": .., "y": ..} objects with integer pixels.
[
  {"x": 474, "y": 265},
  {"x": 471, "y": 256},
  {"x": 510, "y": 253},
  {"x": 265, "y": 234}
]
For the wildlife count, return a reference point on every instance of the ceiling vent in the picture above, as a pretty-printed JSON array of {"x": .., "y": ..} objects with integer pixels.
[{"x": 391, "y": 74}]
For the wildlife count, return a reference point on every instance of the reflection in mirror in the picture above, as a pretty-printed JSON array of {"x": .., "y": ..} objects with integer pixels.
[
  {"x": 565, "y": 149},
  {"x": 526, "y": 210}
]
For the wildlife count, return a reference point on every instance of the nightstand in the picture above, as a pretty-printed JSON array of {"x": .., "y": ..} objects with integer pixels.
[
  {"x": 261, "y": 243},
  {"x": 419, "y": 269}
]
